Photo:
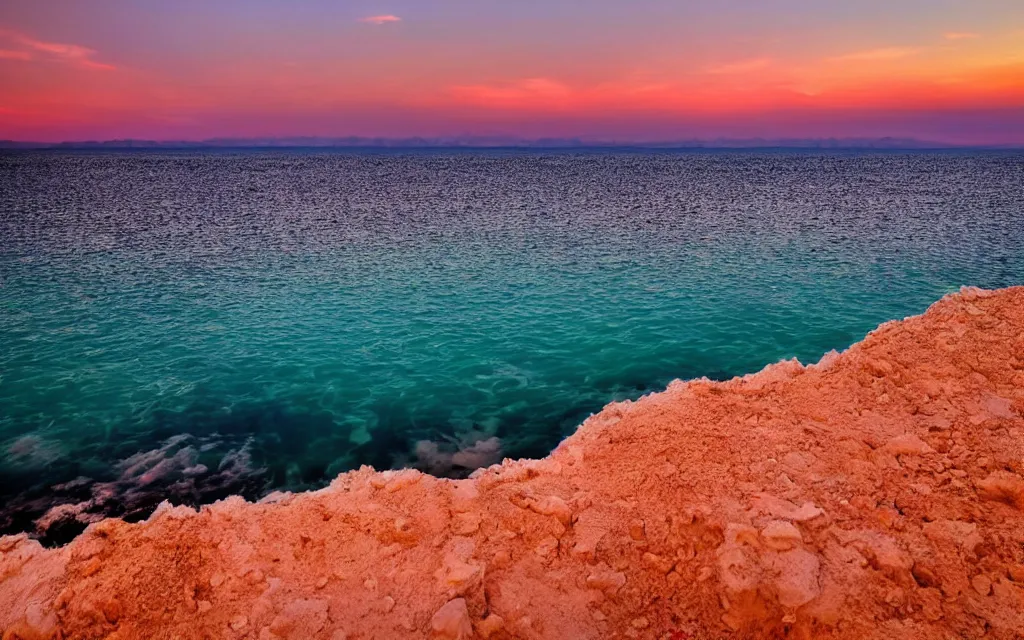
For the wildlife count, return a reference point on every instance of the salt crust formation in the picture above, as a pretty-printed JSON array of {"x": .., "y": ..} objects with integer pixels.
[{"x": 876, "y": 494}]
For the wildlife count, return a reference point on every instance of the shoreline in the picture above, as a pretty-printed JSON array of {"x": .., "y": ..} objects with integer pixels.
[{"x": 877, "y": 492}]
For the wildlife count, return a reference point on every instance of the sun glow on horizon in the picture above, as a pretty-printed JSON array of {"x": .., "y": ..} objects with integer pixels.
[{"x": 452, "y": 70}]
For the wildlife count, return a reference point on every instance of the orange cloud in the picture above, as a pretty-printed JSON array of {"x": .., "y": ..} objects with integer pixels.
[
  {"x": 764, "y": 83},
  {"x": 960, "y": 35},
  {"x": 884, "y": 53},
  {"x": 521, "y": 93},
  {"x": 622, "y": 95},
  {"x": 742, "y": 66},
  {"x": 380, "y": 19},
  {"x": 68, "y": 53}
]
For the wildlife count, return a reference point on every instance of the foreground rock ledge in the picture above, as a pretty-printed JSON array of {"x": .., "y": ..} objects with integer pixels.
[{"x": 877, "y": 494}]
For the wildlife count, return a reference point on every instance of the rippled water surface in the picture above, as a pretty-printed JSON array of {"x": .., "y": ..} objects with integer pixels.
[{"x": 188, "y": 325}]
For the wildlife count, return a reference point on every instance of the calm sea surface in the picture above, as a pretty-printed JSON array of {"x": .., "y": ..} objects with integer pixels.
[{"x": 189, "y": 325}]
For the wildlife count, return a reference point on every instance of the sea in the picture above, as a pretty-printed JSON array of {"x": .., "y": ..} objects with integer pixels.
[{"x": 187, "y": 325}]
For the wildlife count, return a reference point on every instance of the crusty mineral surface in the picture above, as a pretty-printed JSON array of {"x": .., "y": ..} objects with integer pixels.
[{"x": 876, "y": 494}]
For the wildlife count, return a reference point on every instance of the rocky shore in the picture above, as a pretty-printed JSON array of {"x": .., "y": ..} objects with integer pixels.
[{"x": 876, "y": 494}]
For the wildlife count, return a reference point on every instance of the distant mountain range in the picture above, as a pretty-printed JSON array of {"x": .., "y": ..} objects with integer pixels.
[{"x": 498, "y": 142}]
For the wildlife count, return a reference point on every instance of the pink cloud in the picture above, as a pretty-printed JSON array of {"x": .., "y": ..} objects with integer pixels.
[
  {"x": 529, "y": 91},
  {"x": 960, "y": 35},
  {"x": 885, "y": 53},
  {"x": 380, "y": 19},
  {"x": 68, "y": 53},
  {"x": 742, "y": 66}
]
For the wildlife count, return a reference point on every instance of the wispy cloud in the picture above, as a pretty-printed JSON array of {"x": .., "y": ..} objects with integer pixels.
[
  {"x": 960, "y": 35},
  {"x": 885, "y": 53},
  {"x": 742, "y": 66},
  {"x": 380, "y": 19},
  {"x": 33, "y": 49},
  {"x": 528, "y": 91}
]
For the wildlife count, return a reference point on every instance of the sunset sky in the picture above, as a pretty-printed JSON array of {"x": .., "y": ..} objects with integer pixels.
[{"x": 946, "y": 70}]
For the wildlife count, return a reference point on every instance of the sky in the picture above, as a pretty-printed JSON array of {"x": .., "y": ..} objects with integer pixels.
[{"x": 630, "y": 71}]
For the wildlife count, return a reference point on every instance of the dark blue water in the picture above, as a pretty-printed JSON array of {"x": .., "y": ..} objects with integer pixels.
[{"x": 189, "y": 325}]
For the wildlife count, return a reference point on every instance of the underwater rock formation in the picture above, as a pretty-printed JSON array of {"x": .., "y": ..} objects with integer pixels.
[{"x": 876, "y": 494}]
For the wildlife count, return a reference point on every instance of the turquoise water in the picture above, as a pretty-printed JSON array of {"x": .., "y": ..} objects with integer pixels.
[{"x": 187, "y": 325}]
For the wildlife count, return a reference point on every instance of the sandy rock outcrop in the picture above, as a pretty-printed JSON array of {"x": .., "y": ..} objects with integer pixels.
[{"x": 876, "y": 494}]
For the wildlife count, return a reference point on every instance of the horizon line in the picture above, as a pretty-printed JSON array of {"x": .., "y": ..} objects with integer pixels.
[{"x": 506, "y": 142}]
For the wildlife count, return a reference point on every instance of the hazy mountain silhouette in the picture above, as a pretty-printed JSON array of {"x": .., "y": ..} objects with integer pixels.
[{"x": 484, "y": 142}]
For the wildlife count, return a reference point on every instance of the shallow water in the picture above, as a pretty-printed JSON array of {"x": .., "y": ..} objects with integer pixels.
[{"x": 189, "y": 325}]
